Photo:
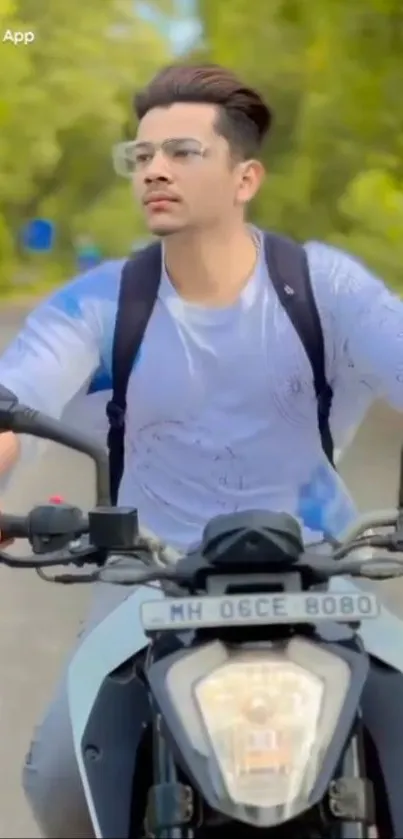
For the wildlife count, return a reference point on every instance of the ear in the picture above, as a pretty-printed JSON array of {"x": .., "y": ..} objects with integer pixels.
[{"x": 250, "y": 177}]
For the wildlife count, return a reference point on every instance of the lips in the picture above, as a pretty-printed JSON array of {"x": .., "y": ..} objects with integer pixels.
[{"x": 159, "y": 200}]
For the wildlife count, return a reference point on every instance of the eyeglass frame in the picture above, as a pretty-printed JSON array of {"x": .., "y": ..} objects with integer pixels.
[{"x": 199, "y": 151}]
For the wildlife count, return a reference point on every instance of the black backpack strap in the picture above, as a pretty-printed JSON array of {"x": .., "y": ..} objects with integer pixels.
[
  {"x": 138, "y": 292},
  {"x": 289, "y": 272}
]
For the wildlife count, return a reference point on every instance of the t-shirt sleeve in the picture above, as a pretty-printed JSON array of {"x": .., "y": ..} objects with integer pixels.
[
  {"x": 365, "y": 317},
  {"x": 59, "y": 347}
]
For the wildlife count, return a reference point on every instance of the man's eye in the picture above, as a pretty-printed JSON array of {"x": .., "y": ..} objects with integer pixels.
[
  {"x": 184, "y": 153},
  {"x": 181, "y": 152},
  {"x": 142, "y": 157}
]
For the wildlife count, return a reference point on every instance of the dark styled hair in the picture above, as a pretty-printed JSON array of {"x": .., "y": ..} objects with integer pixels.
[{"x": 243, "y": 117}]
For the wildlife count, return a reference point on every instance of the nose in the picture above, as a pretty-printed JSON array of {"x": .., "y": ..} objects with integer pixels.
[{"x": 158, "y": 170}]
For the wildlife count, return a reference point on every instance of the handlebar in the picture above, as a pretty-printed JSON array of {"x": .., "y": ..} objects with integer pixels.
[
  {"x": 23, "y": 420},
  {"x": 14, "y": 527},
  {"x": 61, "y": 534}
]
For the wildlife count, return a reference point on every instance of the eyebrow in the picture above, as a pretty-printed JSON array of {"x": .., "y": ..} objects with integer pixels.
[{"x": 140, "y": 143}]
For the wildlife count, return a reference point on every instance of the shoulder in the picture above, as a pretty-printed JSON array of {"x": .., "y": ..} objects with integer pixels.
[
  {"x": 341, "y": 279},
  {"x": 353, "y": 304},
  {"x": 88, "y": 292},
  {"x": 350, "y": 298}
]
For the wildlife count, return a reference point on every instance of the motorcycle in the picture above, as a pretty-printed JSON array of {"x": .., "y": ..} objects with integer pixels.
[{"x": 240, "y": 697}]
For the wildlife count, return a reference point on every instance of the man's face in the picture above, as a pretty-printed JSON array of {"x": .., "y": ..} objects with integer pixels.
[{"x": 184, "y": 174}]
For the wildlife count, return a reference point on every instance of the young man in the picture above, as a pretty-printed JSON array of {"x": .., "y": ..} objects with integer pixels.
[{"x": 221, "y": 409}]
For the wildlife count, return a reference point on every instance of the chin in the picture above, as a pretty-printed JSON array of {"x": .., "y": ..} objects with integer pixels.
[{"x": 164, "y": 229}]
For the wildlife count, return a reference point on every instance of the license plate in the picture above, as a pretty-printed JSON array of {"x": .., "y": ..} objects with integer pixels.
[{"x": 257, "y": 609}]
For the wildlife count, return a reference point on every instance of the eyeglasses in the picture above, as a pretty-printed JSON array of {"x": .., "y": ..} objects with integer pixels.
[{"x": 132, "y": 157}]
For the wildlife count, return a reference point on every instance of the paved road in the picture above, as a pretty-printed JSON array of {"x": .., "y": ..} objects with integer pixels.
[{"x": 39, "y": 621}]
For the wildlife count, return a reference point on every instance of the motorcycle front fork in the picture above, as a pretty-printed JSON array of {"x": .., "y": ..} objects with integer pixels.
[
  {"x": 354, "y": 766},
  {"x": 164, "y": 770}
]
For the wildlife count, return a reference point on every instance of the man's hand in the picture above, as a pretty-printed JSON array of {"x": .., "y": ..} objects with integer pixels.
[
  {"x": 9, "y": 451},
  {"x": 5, "y": 543}
]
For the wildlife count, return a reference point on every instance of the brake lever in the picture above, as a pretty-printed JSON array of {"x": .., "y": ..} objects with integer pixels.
[
  {"x": 319, "y": 569},
  {"x": 381, "y": 572},
  {"x": 376, "y": 568}
]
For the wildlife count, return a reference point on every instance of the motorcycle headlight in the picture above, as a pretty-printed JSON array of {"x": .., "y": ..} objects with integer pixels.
[{"x": 262, "y": 718}]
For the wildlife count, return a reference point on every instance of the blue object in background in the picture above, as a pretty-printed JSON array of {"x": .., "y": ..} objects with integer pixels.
[
  {"x": 88, "y": 255},
  {"x": 38, "y": 235},
  {"x": 87, "y": 261}
]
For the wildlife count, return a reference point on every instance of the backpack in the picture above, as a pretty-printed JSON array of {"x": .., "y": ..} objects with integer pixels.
[{"x": 288, "y": 269}]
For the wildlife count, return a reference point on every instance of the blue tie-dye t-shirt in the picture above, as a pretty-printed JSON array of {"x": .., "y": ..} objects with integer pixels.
[{"x": 221, "y": 407}]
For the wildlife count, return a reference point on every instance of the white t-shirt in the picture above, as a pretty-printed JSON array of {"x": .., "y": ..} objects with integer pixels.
[{"x": 222, "y": 414}]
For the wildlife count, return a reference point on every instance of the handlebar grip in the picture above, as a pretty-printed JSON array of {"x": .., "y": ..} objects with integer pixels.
[{"x": 13, "y": 527}]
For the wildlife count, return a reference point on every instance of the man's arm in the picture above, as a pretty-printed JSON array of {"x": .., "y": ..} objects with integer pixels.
[
  {"x": 9, "y": 451},
  {"x": 364, "y": 317},
  {"x": 58, "y": 350}
]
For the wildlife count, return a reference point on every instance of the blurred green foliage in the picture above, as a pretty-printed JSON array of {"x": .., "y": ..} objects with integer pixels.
[
  {"x": 65, "y": 99},
  {"x": 333, "y": 72}
]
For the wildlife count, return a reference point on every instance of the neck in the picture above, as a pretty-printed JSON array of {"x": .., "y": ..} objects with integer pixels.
[{"x": 211, "y": 267}]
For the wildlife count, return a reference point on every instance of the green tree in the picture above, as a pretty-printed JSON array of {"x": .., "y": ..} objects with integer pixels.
[
  {"x": 66, "y": 98},
  {"x": 333, "y": 73}
]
